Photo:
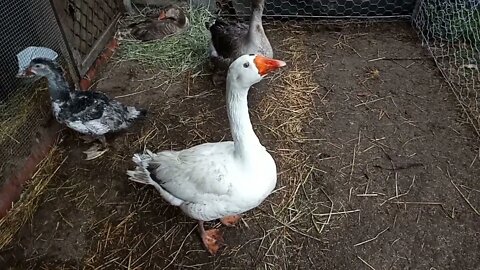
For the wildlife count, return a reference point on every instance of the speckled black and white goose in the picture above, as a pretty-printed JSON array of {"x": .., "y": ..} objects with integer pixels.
[
  {"x": 231, "y": 40},
  {"x": 91, "y": 113}
]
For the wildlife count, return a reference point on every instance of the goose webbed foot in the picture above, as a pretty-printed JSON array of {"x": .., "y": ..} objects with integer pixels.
[
  {"x": 96, "y": 150},
  {"x": 103, "y": 140},
  {"x": 212, "y": 239}
]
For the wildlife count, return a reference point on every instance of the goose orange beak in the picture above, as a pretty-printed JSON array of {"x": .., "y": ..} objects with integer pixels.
[
  {"x": 265, "y": 65},
  {"x": 162, "y": 15}
]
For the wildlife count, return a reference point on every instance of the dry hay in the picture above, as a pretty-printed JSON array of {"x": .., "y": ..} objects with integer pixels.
[
  {"x": 299, "y": 205},
  {"x": 31, "y": 197},
  {"x": 177, "y": 53}
]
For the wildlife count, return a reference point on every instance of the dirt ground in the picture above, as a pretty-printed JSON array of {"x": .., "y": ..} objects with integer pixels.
[{"x": 377, "y": 169}]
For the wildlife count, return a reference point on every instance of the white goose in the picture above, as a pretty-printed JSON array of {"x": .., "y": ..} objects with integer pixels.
[{"x": 217, "y": 180}]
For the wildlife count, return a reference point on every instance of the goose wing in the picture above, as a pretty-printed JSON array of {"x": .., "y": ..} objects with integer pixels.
[
  {"x": 91, "y": 112},
  {"x": 199, "y": 174}
]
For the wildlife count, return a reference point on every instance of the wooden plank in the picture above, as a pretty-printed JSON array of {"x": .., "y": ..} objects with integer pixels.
[
  {"x": 61, "y": 17},
  {"x": 99, "y": 46}
]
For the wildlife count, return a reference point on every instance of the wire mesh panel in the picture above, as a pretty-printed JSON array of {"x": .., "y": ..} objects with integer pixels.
[
  {"x": 88, "y": 24},
  {"x": 451, "y": 30},
  {"x": 24, "y": 104},
  {"x": 339, "y": 9}
]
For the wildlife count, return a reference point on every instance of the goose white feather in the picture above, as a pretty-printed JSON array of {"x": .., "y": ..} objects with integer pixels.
[{"x": 216, "y": 180}]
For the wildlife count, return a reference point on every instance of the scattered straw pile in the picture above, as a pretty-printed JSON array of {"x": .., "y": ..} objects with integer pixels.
[
  {"x": 296, "y": 206},
  {"x": 26, "y": 206},
  {"x": 176, "y": 53}
]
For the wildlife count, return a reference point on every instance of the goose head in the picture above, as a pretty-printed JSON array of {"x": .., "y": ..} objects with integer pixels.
[
  {"x": 58, "y": 86},
  {"x": 42, "y": 67},
  {"x": 173, "y": 13},
  {"x": 250, "y": 69}
]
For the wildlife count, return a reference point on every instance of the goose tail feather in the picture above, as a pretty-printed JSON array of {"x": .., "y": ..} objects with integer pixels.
[{"x": 141, "y": 174}]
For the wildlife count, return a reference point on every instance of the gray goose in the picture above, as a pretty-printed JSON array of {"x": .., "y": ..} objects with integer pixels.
[
  {"x": 231, "y": 40},
  {"x": 171, "y": 20}
]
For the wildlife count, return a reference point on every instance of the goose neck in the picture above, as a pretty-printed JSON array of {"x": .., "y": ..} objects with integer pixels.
[
  {"x": 244, "y": 138},
  {"x": 58, "y": 87},
  {"x": 255, "y": 26}
]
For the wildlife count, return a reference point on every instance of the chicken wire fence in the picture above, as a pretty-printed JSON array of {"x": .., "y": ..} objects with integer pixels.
[
  {"x": 23, "y": 103},
  {"x": 451, "y": 31},
  {"x": 322, "y": 9}
]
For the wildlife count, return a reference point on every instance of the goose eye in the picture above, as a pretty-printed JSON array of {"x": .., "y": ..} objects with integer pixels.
[
  {"x": 246, "y": 65},
  {"x": 38, "y": 66}
]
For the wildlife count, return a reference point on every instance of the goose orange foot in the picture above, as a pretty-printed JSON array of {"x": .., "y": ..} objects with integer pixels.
[
  {"x": 212, "y": 239},
  {"x": 230, "y": 221}
]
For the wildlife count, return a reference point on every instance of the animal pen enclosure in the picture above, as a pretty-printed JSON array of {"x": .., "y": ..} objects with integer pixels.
[
  {"x": 78, "y": 31},
  {"x": 23, "y": 108},
  {"x": 374, "y": 154}
]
